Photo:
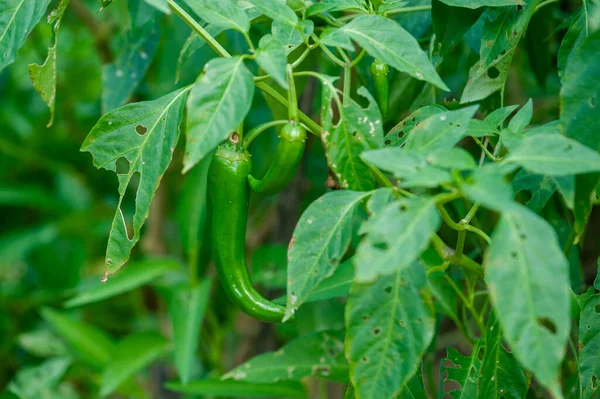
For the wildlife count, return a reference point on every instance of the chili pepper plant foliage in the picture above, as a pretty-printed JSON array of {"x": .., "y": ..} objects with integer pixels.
[{"x": 411, "y": 181}]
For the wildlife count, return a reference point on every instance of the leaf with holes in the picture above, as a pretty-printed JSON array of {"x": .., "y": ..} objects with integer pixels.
[
  {"x": 554, "y": 155},
  {"x": 144, "y": 135},
  {"x": 500, "y": 374},
  {"x": 386, "y": 40},
  {"x": 17, "y": 20},
  {"x": 43, "y": 77},
  {"x": 488, "y": 76},
  {"x": 397, "y": 136},
  {"x": 442, "y": 130},
  {"x": 218, "y": 103},
  {"x": 464, "y": 370},
  {"x": 389, "y": 327},
  {"x": 318, "y": 354},
  {"x": 541, "y": 188},
  {"x": 395, "y": 237},
  {"x": 528, "y": 279},
  {"x": 223, "y": 13},
  {"x": 319, "y": 242},
  {"x": 589, "y": 347}
]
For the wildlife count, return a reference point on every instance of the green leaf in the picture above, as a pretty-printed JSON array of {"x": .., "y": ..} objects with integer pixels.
[
  {"x": 43, "y": 76},
  {"x": 161, "y": 5},
  {"x": 42, "y": 343},
  {"x": 500, "y": 374},
  {"x": 319, "y": 355},
  {"x": 17, "y": 20},
  {"x": 40, "y": 381},
  {"x": 218, "y": 102},
  {"x": 580, "y": 93},
  {"x": 291, "y": 37},
  {"x": 398, "y": 134},
  {"x": 187, "y": 308},
  {"x": 573, "y": 38},
  {"x": 450, "y": 24},
  {"x": 387, "y": 41},
  {"x": 192, "y": 45},
  {"x": 336, "y": 5},
  {"x": 134, "y": 276},
  {"x": 420, "y": 169},
  {"x": 554, "y": 155},
  {"x": 223, "y": 13},
  {"x": 271, "y": 56},
  {"x": 488, "y": 76},
  {"x": 519, "y": 122},
  {"x": 464, "y": 370},
  {"x": 442, "y": 130},
  {"x": 389, "y": 327},
  {"x": 395, "y": 237},
  {"x": 125, "y": 73},
  {"x": 541, "y": 188},
  {"x": 589, "y": 345},
  {"x": 482, "y": 3},
  {"x": 489, "y": 187},
  {"x": 335, "y": 286},
  {"x": 277, "y": 10},
  {"x": 134, "y": 353},
  {"x": 88, "y": 343},
  {"x": 240, "y": 389},
  {"x": 143, "y": 134},
  {"x": 528, "y": 279},
  {"x": 319, "y": 242},
  {"x": 358, "y": 129}
]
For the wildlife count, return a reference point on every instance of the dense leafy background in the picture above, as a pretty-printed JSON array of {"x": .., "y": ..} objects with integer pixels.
[{"x": 475, "y": 278}]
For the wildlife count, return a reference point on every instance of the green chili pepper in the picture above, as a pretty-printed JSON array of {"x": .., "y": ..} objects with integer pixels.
[
  {"x": 289, "y": 152},
  {"x": 286, "y": 162},
  {"x": 228, "y": 213},
  {"x": 379, "y": 71}
]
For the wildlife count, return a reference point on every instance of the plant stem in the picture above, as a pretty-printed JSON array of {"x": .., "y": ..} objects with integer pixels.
[
  {"x": 252, "y": 134},
  {"x": 460, "y": 244},
  {"x": 460, "y": 226},
  {"x": 405, "y": 10},
  {"x": 485, "y": 150},
  {"x": 466, "y": 303},
  {"x": 347, "y": 85},
  {"x": 292, "y": 97}
]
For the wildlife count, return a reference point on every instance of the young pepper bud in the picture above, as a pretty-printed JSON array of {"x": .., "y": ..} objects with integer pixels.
[{"x": 379, "y": 71}]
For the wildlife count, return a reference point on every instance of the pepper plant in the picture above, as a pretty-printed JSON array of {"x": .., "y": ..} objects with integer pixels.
[{"x": 399, "y": 192}]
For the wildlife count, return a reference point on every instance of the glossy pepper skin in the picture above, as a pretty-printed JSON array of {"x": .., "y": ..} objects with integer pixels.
[
  {"x": 380, "y": 71},
  {"x": 228, "y": 213},
  {"x": 287, "y": 159}
]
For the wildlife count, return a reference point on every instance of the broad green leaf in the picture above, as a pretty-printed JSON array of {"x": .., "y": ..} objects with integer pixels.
[
  {"x": 143, "y": 134},
  {"x": 335, "y": 286},
  {"x": 389, "y": 327},
  {"x": 239, "y": 389},
  {"x": 218, "y": 102},
  {"x": 482, "y": 3},
  {"x": 187, "y": 308},
  {"x": 161, "y": 5},
  {"x": 528, "y": 279},
  {"x": 277, "y": 10},
  {"x": 40, "y": 381},
  {"x": 498, "y": 116},
  {"x": 43, "y": 76},
  {"x": 395, "y": 237},
  {"x": 541, "y": 188},
  {"x": 442, "y": 130},
  {"x": 580, "y": 93},
  {"x": 192, "y": 214},
  {"x": 125, "y": 73},
  {"x": 573, "y": 38},
  {"x": 319, "y": 355},
  {"x": 291, "y": 37},
  {"x": 498, "y": 26},
  {"x": 134, "y": 276},
  {"x": 554, "y": 155},
  {"x": 271, "y": 56},
  {"x": 414, "y": 168},
  {"x": 336, "y": 5},
  {"x": 414, "y": 388},
  {"x": 500, "y": 374},
  {"x": 319, "y": 242},
  {"x": 223, "y": 13},
  {"x": 464, "y": 370},
  {"x": 387, "y": 41},
  {"x": 17, "y": 20},
  {"x": 450, "y": 24},
  {"x": 489, "y": 187},
  {"x": 589, "y": 345},
  {"x": 488, "y": 76},
  {"x": 134, "y": 353},
  {"x": 519, "y": 122},
  {"x": 399, "y": 133},
  {"x": 91, "y": 345},
  {"x": 192, "y": 45},
  {"x": 597, "y": 279}
]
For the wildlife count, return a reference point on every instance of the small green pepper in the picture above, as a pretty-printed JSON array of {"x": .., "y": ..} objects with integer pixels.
[
  {"x": 289, "y": 152},
  {"x": 380, "y": 71},
  {"x": 228, "y": 213}
]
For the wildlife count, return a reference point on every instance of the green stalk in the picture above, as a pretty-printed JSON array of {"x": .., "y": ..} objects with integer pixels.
[{"x": 292, "y": 96}]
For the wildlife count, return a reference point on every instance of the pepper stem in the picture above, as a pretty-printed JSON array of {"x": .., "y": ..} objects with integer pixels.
[{"x": 292, "y": 96}]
